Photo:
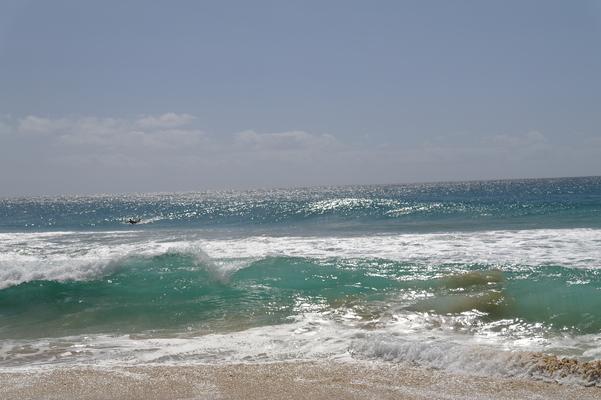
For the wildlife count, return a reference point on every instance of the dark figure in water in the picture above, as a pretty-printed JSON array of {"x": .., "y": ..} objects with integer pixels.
[{"x": 134, "y": 220}]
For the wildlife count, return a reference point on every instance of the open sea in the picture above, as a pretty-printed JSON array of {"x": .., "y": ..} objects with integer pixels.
[{"x": 477, "y": 277}]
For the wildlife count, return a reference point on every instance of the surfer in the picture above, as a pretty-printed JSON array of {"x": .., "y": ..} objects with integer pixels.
[{"x": 134, "y": 220}]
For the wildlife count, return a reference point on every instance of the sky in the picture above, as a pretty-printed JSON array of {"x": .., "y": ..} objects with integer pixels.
[{"x": 138, "y": 96}]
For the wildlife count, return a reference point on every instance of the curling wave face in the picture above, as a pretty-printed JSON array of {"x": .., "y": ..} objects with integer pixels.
[{"x": 85, "y": 255}]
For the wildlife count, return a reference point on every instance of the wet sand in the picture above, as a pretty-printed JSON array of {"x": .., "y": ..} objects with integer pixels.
[{"x": 290, "y": 380}]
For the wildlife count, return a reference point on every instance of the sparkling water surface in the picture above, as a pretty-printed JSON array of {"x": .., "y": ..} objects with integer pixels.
[{"x": 395, "y": 272}]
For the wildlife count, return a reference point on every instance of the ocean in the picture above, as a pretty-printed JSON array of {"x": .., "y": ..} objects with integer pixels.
[{"x": 489, "y": 277}]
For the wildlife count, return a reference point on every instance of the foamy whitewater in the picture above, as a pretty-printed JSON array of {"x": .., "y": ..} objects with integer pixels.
[{"x": 501, "y": 278}]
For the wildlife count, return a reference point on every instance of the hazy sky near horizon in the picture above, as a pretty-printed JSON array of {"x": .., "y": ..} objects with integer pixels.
[{"x": 124, "y": 96}]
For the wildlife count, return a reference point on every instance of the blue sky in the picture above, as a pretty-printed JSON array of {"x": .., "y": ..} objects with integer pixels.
[{"x": 167, "y": 96}]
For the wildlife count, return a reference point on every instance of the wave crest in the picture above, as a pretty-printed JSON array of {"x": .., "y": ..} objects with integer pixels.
[{"x": 95, "y": 262}]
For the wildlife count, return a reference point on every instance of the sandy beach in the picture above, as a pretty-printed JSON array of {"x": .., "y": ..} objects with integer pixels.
[{"x": 290, "y": 380}]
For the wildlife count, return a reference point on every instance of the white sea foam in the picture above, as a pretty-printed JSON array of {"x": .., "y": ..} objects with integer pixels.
[
  {"x": 567, "y": 247},
  {"x": 87, "y": 255},
  {"x": 312, "y": 336},
  {"x": 406, "y": 339},
  {"x": 470, "y": 358}
]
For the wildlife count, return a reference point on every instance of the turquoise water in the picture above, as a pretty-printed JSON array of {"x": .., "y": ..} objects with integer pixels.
[
  {"x": 510, "y": 265},
  {"x": 510, "y": 204},
  {"x": 172, "y": 292}
]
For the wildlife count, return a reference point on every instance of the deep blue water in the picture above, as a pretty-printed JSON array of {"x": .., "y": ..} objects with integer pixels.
[{"x": 504, "y": 204}]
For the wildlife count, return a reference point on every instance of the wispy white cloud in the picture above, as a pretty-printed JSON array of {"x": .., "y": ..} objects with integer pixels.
[
  {"x": 161, "y": 132},
  {"x": 166, "y": 132},
  {"x": 285, "y": 141},
  {"x": 532, "y": 138},
  {"x": 40, "y": 125},
  {"x": 167, "y": 120},
  {"x": 170, "y": 152}
]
